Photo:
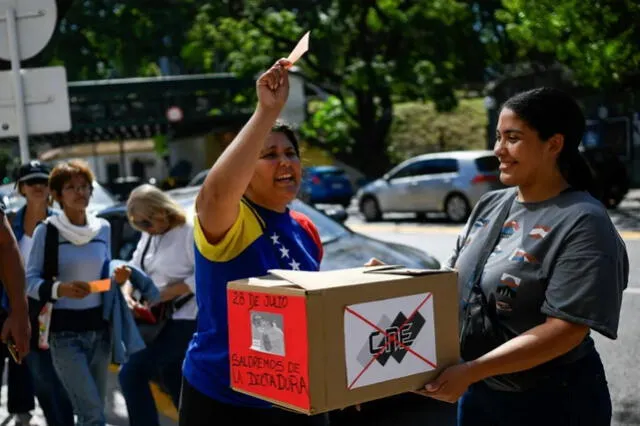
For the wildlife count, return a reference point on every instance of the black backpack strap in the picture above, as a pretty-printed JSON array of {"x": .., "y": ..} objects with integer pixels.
[
  {"x": 50, "y": 263},
  {"x": 51, "y": 246},
  {"x": 50, "y": 274}
]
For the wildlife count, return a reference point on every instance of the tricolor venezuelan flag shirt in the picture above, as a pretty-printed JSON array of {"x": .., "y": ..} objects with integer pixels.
[{"x": 259, "y": 240}]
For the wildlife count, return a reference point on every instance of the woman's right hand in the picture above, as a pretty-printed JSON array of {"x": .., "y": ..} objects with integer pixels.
[
  {"x": 273, "y": 86},
  {"x": 74, "y": 289}
]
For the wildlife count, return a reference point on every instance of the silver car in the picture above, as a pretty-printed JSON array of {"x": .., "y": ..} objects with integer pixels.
[{"x": 447, "y": 182}]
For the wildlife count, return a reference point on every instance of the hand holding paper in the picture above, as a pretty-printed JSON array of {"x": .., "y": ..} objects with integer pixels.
[
  {"x": 74, "y": 289},
  {"x": 273, "y": 86}
]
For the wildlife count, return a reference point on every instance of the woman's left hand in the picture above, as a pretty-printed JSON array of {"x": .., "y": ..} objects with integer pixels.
[
  {"x": 450, "y": 384},
  {"x": 121, "y": 274}
]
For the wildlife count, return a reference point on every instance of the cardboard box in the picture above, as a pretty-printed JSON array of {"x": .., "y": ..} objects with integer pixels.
[{"x": 318, "y": 341}]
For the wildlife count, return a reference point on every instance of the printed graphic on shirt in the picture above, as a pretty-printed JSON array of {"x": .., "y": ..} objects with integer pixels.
[
  {"x": 481, "y": 223},
  {"x": 510, "y": 281},
  {"x": 539, "y": 232},
  {"x": 509, "y": 229},
  {"x": 467, "y": 242},
  {"x": 522, "y": 256},
  {"x": 506, "y": 292},
  {"x": 285, "y": 257},
  {"x": 496, "y": 251}
]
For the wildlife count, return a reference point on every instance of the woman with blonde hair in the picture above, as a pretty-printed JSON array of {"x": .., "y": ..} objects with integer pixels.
[{"x": 165, "y": 253}]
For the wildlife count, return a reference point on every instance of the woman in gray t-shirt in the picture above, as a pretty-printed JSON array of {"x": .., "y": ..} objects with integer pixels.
[{"x": 556, "y": 270}]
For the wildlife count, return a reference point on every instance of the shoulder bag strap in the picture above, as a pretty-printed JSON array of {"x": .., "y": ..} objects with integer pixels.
[{"x": 144, "y": 252}]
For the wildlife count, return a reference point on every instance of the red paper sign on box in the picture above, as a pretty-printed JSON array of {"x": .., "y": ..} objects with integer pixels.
[{"x": 268, "y": 346}]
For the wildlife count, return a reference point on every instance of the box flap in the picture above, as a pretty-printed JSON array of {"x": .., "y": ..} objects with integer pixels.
[
  {"x": 413, "y": 272},
  {"x": 318, "y": 280},
  {"x": 268, "y": 281}
]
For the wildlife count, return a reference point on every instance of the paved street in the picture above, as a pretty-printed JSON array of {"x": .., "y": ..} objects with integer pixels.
[{"x": 437, "y": 237}]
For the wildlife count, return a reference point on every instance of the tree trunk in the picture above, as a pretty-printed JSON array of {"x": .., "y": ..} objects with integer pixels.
[{"x": 374, "y": 122}]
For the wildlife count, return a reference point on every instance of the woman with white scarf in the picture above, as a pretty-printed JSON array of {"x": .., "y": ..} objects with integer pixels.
[{"x": 79, "y": 337}]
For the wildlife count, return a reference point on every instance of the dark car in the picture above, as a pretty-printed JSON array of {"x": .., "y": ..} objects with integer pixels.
[
  {"x": 327, "y": 185},
  {"x": 343, "y": 248}
]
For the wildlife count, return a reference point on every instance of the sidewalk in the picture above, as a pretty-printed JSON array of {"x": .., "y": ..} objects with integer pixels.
[{"x": 116, "y": 408}]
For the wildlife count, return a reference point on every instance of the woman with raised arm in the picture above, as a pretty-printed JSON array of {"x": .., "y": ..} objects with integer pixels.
[{"x": 243, "y": 228}]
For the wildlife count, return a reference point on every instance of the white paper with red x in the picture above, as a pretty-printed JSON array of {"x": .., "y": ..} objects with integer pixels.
[{"x": 388, "y": 339}]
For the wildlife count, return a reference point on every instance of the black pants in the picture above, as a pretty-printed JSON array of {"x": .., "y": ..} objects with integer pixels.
[
  {"x": 197, "y": 409},
  {"x": 20, "y": 386},
  {"x": 577, "y": 394}
]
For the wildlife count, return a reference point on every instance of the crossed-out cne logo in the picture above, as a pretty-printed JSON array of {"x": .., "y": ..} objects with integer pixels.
[{"x": 396, "y": 338}]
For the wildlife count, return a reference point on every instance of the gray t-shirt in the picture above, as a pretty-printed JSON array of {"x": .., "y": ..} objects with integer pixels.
[{"x": 561, "y": 257}]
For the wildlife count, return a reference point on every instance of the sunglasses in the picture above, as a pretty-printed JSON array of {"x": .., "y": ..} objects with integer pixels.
[{"x": 37, "y": 181}]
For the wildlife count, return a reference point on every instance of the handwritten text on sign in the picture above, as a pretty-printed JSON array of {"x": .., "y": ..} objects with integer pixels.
[{"x": 258, "y": 324}]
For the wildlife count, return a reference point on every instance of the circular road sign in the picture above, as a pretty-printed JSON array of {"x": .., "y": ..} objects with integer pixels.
[{"x": 35, "y": 23}]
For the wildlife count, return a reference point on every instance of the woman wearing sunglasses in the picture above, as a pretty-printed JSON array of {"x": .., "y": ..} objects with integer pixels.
[
  {"x": 36, "y": 374},
  {"x": 80, "y": 336},
  {"x": 165, "y": 253},
  {"x": 243, "y": 228}
]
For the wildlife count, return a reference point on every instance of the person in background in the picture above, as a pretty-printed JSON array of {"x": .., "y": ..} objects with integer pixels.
[
  {"x": 36, "y": 374},
  {"x": 80, "y": 339},
  {"x": 165, "y": 253},
  {"x": 556, "y": 270},
  {"x": 243, "y": 228},
  {"x": 16, "y": 329}
]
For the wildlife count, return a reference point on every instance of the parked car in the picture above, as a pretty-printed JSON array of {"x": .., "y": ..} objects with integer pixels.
[
  {"x": 610, "y": 174},
  {"x": 343, "y": 247},
  {"x": 448, "y": 182},
  {"x": 100, "y": 199},
  {"x": 327, "y": 185}
]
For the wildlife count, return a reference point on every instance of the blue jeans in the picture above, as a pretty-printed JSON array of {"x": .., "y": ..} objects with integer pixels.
[
  {"x": 576, "y": 394},
  {"x": 52, "y": 396},
  {"x": 81, "y": 360},
  {"x": 161, "y": 359}
]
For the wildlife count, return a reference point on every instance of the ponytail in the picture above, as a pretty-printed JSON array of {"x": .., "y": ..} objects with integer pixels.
[{"x": 577, "y": 171}]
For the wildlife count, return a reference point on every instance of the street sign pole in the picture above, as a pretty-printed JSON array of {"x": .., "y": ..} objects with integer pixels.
[{"x": 21, "y": 116}]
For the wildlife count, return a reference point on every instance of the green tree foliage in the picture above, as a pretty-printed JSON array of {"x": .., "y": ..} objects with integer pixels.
[
  {"x": 364, "y": 55},
  {"x": 419, "y": 129},
  {"x": 598, "y": 40},
  {"x": 116, "y": 38}
]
